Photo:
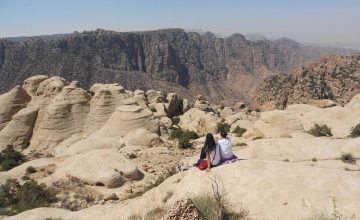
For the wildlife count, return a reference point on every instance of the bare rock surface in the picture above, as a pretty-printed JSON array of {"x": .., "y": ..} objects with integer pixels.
[
  {"x": 104, "y": 167},
  {"x": 11, "y": 103},
  {"x": 19, "y": 130}
]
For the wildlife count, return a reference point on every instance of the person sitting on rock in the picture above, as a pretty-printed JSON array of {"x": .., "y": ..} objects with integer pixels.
[
  {"x": 210, "y": 154},
  {"x": 225, "y": 146}
]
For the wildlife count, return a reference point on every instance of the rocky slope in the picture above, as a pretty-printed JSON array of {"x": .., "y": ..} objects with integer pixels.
[
  {"x": 335, "y": 78},
  {"x": 107, "y": 150},
  {"x": 170, "y": 60}
]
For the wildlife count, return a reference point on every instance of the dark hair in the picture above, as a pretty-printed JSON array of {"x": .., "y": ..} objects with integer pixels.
[
  {"x": 209, "y": 142},
  {"x": 223, "y": 134}
]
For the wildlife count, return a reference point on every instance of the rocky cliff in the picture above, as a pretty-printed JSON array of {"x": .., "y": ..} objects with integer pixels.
[
  {"x": 334, "y": 77},
  {"x": 169, "y": 59}
]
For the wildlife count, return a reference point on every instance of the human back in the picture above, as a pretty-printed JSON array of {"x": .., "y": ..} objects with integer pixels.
[{"x": 225, "y": 146}]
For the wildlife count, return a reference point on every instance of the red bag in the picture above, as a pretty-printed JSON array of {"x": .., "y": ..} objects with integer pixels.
[{"x": 202, "y": 165}]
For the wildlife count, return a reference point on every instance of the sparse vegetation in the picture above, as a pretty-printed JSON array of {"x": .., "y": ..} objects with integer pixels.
[
  {"x": 257, "y": 138},
  {"x": 175, "y": 120},
  {"x": 286, "y": 160},
  {"x": 17, "y": 198},
  {"x": 314, "y": 159},
  {"x": 153, "y": 109},
  {"x": 132, "y": 156},
  {"x": 183, "y": 137},
  {"x": 215, "y": 207},
  {"x": 24, "y": 145},
  {"x": 222, "y": 126},
  {"x": 30, "y": 170},
  {"x": 239, "y": 131},
  {"x": 348, "y": 158},
  {"x": 320, "y": 130},
  {"x": 355, "y": 131},
  {"x": 10, "y": 158}
]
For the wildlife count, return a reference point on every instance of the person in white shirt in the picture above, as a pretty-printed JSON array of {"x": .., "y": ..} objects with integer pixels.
[{"x": 226, "y": 152}]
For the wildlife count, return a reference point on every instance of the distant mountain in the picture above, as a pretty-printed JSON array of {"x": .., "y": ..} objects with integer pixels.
[
  {"x": 44, "y": 37},
  {"x": 333, "y": 77},
  {"x": 256, "y": 37},
  {"x": 222, "y": 69}
]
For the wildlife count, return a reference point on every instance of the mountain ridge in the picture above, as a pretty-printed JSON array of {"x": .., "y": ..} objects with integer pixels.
[{"x": 168, "y": 59}]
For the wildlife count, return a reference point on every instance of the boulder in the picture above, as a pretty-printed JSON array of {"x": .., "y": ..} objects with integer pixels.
[
  {"x": 226, "y": 111},
  {"x": 202, "y": 104},
  {"x": 185, "y": 105},
  {"x": 199, "y": 121},
  {"x": 277, "y": 123},
  {"x": 11, "y": 102},
  {"x": 160, "y": 110},
  {"x": 19, "y": 129},
  {"x": 155, "y": 97},
  {"x": 102, "y": 167},
  {"x": 140, "y": 137},
  {"x": 32, "y": 84},
  {"x": 172, "y": 105},
  {"x": 140, "y": 98}
]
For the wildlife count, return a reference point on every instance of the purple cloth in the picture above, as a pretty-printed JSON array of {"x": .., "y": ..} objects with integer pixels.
[{"x": 229, "y": 160}]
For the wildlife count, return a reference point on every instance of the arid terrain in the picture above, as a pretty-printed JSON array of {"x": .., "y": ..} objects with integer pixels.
[{"x": 111, "y": 153}]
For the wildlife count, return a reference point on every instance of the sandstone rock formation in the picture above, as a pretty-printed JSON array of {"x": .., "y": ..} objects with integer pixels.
[
  {"x": 11, "y": 103},
  {"x": 19, "y": 130},
  {"x": 199, "y": 121}
]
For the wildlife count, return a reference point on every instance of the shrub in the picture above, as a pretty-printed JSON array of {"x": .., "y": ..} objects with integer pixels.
[
  {"x": 214, "y": 206},
  {"x": 28, "y": 196},
  {"x": 132, "y": 156},
  {"x": 30, "y": 170},
  {"x": 153, "y": 109},
  {"x": 175, "y": 120},
  {"x": 10, "y": 158},
  {"x": 25, "y": 177},
  {"x": 223, "y": 127},
  {"x": 320, "y": 130},
  {"x": 348, "y": 158},
  {"x": 239, "y": 131},
  {"x": 355, "y": 131},
  {"x": 25, "y": 145},
  {"x": 183, "y": 137},
  {"x": 8, "y": 191}
]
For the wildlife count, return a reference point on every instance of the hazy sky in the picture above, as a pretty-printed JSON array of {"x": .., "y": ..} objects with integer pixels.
[{"x": 302, "y": 20}]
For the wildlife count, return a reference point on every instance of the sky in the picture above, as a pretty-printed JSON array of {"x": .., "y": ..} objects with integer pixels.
[{"x": 318, "y": 21}]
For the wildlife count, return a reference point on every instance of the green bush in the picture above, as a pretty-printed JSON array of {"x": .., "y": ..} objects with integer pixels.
[
  {"x": 153, "y": 109},
  {"x": 10, "y": 158},
  {"x": 25, "y": 145},
  {"x": 17, "y": 198},
  {"x": 30, "y": 170},
  {"x": 223, "y": 127},
  {"x": 355, "y": 131},
  {"x": 183, "y": 137},
  {"x": 175, "y": 120},
  {"x": 239, "y": 131},
  {"x": 320, "y": 130}
]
